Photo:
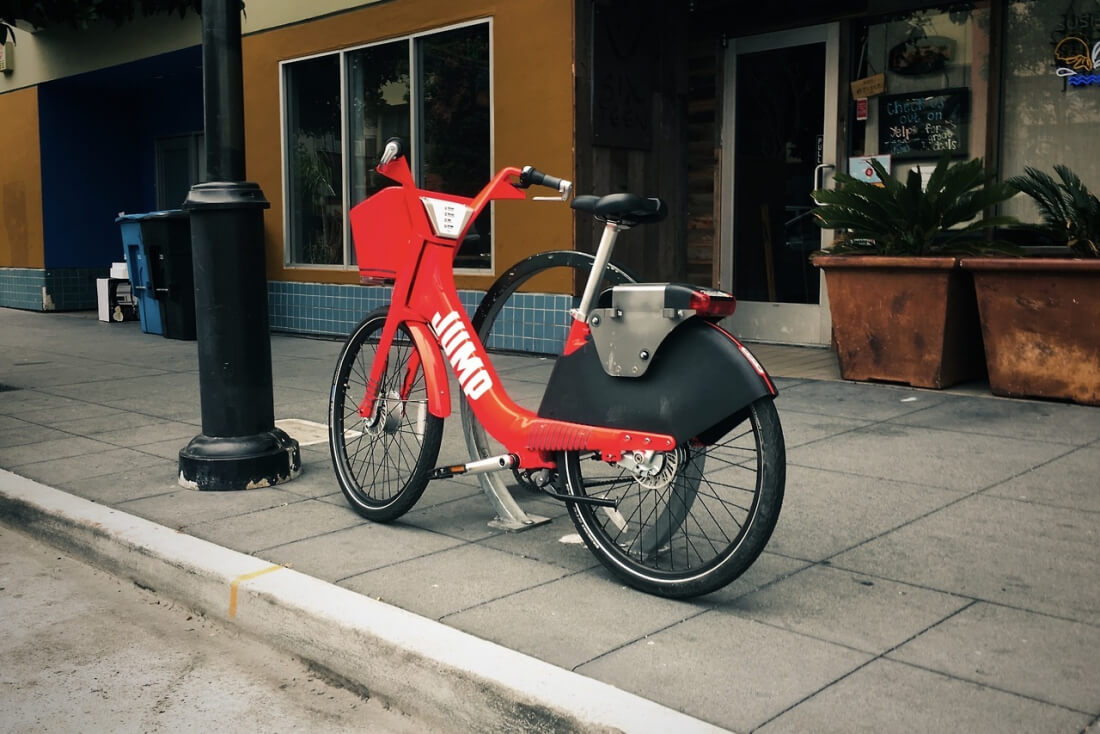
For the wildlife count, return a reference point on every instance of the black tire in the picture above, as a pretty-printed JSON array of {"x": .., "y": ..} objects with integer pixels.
[
  {"x": 703, "y": 528},
  {"x": 382, "y": 464},
  {"x": 477, "y": 440}
]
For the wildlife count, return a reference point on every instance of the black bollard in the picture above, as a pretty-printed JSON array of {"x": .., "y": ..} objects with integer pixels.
[{"x": 239, "y": 447}]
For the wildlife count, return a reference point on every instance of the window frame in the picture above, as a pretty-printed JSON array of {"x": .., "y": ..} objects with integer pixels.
[{"x": 415, "y": 125}]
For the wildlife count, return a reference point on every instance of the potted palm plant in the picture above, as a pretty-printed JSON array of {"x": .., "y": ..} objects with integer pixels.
[
  {"x": 1040, "y": 316},
  {"x": 902, "y": 309}
]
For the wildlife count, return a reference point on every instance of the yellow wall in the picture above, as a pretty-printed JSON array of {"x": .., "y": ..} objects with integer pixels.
[
  {"x": 532, "y": 51},
  {"x": 21, "y": 185}
]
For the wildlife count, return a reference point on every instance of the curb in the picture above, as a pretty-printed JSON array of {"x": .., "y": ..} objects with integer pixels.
[{"x": 434, "y": 673}]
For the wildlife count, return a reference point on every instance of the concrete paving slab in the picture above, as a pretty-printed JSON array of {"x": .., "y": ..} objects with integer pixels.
[
  {"x": 251, "y": 532},
  {"x": 85, "y": 466},
  {"x": 731, "y": 671},
  {"x": 50, "y": 372},
  {"x": 180, "y": 385},
  {"x": 1071, "y": 481},
  {"x": 544, "y": 544},
  {"x": 803, "y": 428},
  {"x": 886, "y": 696},
  {"x": 601, "y": 616},
  {"x": 169, "y": 448},
  {"x": 1034, "y": 655},
  {"x": 1022, "y": 419},
  {"x": 767, "y": 569},
  {"x": 129, "y": 484},
  {"x": 137, "y": 433},
  {"x": 823, "y": 602},
  {"x": 1020, "y": 554},
  {"x": 827, "y": 512},
  {"x": 453, "y": 580},
  {"x": 466, "y": 519},
  {"x": 54, "y": 410},
  {"x": 54, "y": 448},
  {"x": 190, "y": 506},
  {"x": 184, "y": 411},
  {"x": 310, "y": 409},
  {"x": 340, "y": 555},
  {"x": 16, "y": 432},
  {"x": 935, "y": 458},
  {"x": 851, "y": 400}
]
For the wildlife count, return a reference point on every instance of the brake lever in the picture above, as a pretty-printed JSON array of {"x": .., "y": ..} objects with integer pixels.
[{"x": 564, "y": 192}]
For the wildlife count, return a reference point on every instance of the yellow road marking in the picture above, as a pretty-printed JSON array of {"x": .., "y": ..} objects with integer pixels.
[{"x": 237, "y": 582}]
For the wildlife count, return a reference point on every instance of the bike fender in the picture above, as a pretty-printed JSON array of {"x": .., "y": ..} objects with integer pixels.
[
  {"x": 702, "y": 378},
  {"x": 435, "y": 369}
]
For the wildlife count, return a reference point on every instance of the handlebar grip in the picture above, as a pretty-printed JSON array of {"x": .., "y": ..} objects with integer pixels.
[
  {"x": 531, "y": 175},
  {"x": 394, "y": 148}
]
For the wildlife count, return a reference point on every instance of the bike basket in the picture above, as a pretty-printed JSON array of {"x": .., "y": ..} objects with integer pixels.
[{"x": 382, "y": 235}]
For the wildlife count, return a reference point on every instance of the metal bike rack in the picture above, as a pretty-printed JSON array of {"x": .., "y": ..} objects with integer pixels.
[{"x": 509, "y": 515}]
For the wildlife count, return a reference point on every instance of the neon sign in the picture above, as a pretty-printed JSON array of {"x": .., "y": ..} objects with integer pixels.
[{"x": 1076, "y": 55}]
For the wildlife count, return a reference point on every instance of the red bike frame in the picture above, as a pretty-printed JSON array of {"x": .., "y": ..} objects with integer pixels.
[{"x": 425, "y": 299}]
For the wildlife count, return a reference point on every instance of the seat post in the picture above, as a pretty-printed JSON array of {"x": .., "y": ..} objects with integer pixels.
[{"x": 595, "y": 277}]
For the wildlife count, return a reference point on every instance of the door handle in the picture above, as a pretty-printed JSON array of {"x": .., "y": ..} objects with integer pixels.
[{"x": 819, "y": 174}]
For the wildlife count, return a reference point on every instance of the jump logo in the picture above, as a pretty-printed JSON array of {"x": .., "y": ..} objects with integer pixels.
[{"x": 455, "y": 340}]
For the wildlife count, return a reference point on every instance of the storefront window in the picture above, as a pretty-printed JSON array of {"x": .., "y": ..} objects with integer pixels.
[
  {"x": 447, "y": 129},
  {"x": 378, "y": 96},
  {"x": 927, "y": 76},
  {"x": 314, "y": 160},
  {"x": 1051, "y": 93},
  {"x": 455, "y": 133}
]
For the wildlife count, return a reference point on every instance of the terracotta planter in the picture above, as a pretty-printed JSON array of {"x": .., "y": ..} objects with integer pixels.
[
  {"x": 903, "y": 319},
  {"x": 1041, "y": 322}
]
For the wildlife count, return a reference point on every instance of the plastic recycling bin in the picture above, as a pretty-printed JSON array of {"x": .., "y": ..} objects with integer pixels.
[
  {"x": 158, "y": 254},
  {"x": 140, "y": 267}
]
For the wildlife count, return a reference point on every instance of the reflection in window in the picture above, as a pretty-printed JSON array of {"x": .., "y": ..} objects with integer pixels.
[
  {"x": 314, "y": 162},
  {"x": 454, "y": 68},
  {"x": 922, "y": 53},
  {"x": 1049, "y": 121},
  {"x": 449, "y": 70},
  {"x": 378, "y": 98}
]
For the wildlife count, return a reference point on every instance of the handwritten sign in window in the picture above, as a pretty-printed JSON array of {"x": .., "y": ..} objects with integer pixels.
[{"x": 924, "y": 124}]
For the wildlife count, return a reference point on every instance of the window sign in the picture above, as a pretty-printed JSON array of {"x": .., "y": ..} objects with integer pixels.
[
  {"x": 1076, "y": 43},
  {"x": 859, "y": 167},
  {"x": 924, "y": 124}
]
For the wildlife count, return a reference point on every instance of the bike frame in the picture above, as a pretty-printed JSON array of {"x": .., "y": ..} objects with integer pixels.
[{"x": 426, "y": 300}]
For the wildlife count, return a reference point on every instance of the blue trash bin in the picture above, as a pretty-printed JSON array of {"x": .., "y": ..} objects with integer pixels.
[
  {"x": 157, "y": 246},
  {"x": 143, "y": 280}
]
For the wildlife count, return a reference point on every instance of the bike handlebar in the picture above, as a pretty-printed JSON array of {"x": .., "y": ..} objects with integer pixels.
[{"x": 531, "y": 175}]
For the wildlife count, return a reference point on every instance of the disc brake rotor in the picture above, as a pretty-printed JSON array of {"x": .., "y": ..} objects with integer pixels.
[{"x": 653, "y": 469}]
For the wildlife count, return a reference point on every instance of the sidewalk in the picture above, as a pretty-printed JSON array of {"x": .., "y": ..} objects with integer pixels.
[{"x": 934, "y": 566}]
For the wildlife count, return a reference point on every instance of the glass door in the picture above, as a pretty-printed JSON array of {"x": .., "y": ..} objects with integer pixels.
[{"x": 779, "y": 140}]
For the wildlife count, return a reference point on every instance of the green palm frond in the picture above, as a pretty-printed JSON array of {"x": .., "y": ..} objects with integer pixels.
[
  {"x": 897, "y": 218},
  {"x": 1068, "y": 211}
]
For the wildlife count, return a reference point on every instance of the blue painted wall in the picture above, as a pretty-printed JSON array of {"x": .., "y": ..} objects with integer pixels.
[{"x": 97, "y": 133}]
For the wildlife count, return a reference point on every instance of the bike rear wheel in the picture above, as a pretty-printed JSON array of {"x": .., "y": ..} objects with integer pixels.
[
  {"x": 689, "y": 521},
  {"x": 383, "y": 461}
]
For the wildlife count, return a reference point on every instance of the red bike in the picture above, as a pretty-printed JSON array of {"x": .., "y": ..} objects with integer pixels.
[{"x": 657, "y": 427}]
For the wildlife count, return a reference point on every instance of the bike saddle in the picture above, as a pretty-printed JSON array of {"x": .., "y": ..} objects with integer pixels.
[{"x": 628, "y": 209}]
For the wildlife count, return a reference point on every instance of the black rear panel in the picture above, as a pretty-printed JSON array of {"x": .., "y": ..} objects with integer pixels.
[{"x": 697, "y": 380}]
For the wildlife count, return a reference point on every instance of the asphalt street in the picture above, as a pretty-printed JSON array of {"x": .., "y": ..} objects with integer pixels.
[{"x": 85, "y": 651}]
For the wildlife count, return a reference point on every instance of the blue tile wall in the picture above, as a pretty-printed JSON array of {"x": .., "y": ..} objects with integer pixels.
[
  {"x": 529, "y": 322},
  {"x": 54, "y": 289}
]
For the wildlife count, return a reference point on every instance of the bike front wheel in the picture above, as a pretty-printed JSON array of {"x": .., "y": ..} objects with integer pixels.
[
  {"x": 689, "y": 521},
  {"x": 382, "y": 461}
]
